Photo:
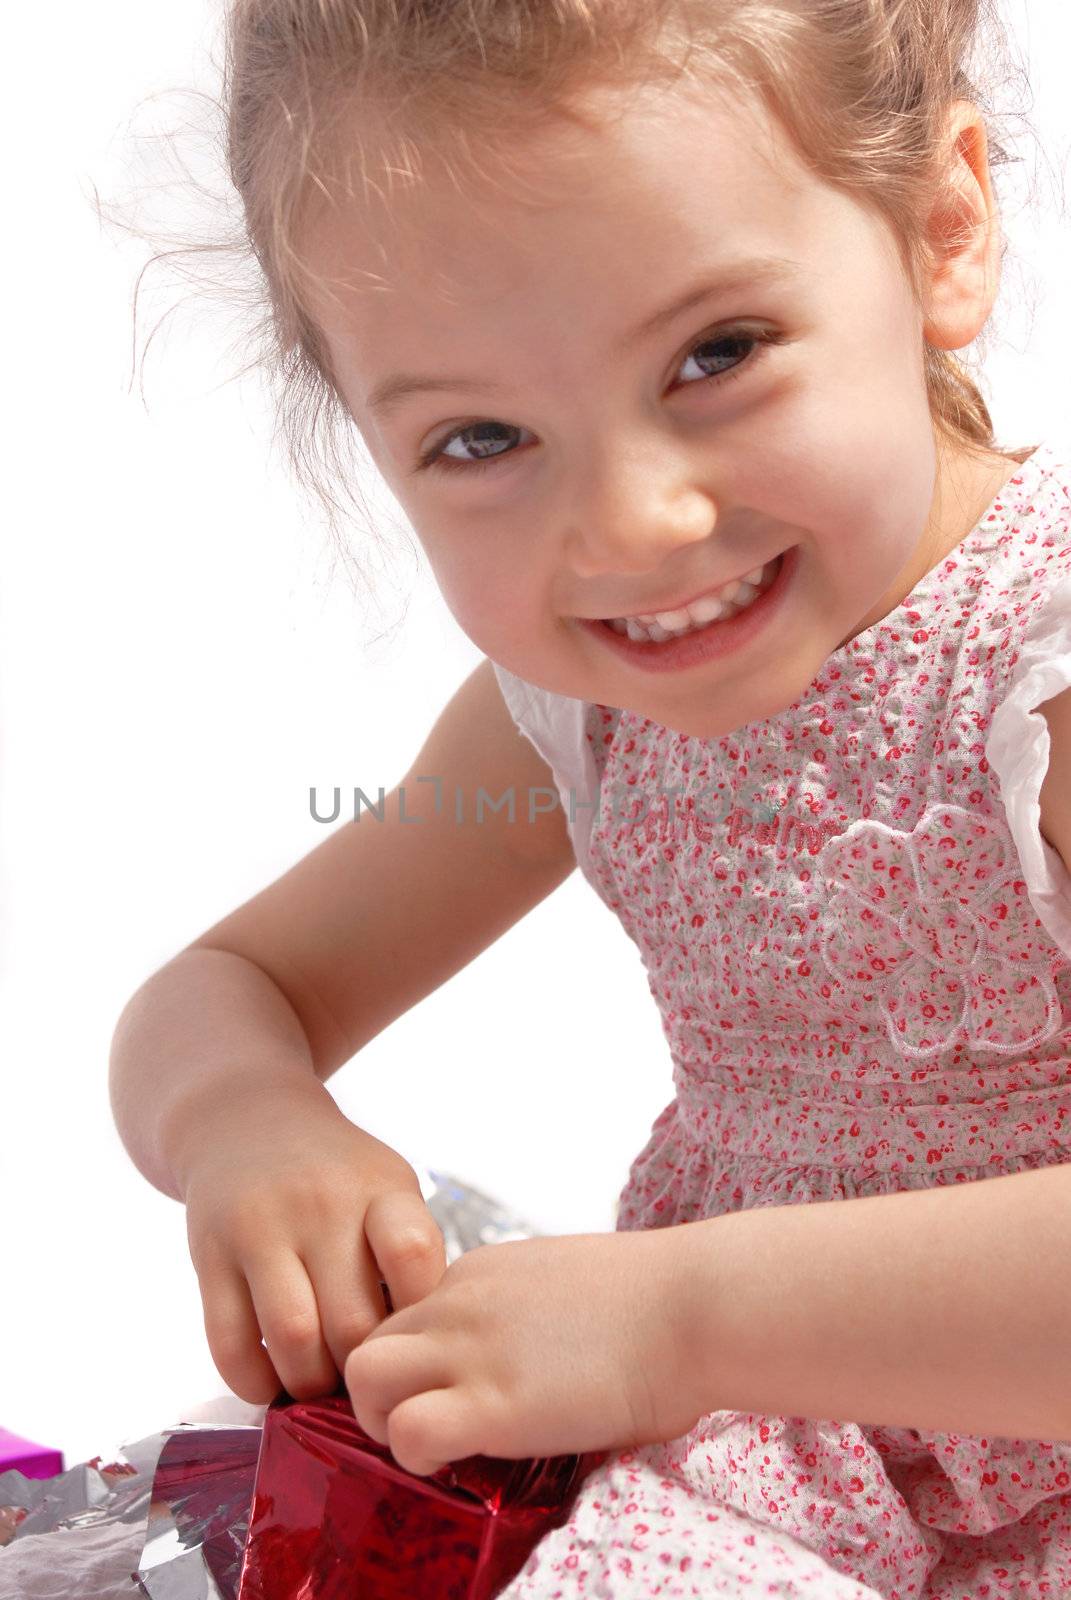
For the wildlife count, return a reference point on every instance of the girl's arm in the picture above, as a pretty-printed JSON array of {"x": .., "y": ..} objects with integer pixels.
[
  {"x": 285, "y": 989},
  {"x": 946, "y": 1310},
  {"x": 1054, "y": 799},
  {"x": 303, "y": 1228}
]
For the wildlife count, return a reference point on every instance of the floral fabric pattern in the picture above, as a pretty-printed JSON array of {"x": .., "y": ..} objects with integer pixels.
[{"x": 935, "y": 929}]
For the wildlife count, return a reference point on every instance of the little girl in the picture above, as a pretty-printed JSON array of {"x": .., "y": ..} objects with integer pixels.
[{"x": 645, "y": 313}]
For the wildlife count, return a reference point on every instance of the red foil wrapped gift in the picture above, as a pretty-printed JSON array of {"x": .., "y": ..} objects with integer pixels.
[{"x": 334, "y": 1517}]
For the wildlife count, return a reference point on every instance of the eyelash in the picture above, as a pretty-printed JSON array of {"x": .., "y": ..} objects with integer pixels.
[{"x": 434, "y": 460}]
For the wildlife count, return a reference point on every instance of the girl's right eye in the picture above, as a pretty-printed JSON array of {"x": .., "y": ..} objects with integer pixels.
[
  {"x": 485, "y": 433},
  {"x": 476, "y": 434}
]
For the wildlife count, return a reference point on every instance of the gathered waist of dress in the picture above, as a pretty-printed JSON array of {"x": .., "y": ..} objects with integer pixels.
[{"x": 905, "y": 1127}]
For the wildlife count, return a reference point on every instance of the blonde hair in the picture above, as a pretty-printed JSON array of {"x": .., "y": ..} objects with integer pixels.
[{"x": 863, "y": 87}]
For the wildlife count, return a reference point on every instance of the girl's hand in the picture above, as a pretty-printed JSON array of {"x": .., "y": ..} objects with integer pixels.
[
  {"x": 536, "y": 1347},
  {"x": 294, "y": 1215}
]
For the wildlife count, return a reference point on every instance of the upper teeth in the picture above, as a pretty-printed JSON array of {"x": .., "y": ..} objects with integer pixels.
[{"x": 658, "y": 625}]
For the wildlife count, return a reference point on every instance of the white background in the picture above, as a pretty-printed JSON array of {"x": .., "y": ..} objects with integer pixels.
[{"x": 179, "y": 664}]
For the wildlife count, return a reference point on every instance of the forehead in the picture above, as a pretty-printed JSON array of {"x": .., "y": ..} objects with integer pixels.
[
  {"x": 624, "y": 157},
  {"x": 588, "y": 215}
]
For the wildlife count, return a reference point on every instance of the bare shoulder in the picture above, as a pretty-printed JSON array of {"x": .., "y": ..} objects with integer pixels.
[{"x": 1055, "y": 797}]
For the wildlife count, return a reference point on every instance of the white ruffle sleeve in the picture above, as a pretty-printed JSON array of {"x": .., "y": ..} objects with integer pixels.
[
  {"x": 556, "y": 725},
  {"x": 1018, "y": 751}
]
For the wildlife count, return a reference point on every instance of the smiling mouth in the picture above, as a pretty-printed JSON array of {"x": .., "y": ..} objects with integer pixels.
[{"x": 719, "y": 605}]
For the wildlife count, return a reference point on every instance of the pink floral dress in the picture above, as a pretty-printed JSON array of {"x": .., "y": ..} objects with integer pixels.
[{"x": 860, "y": 945}]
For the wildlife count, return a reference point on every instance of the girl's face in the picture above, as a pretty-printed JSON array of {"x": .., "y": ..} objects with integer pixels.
[{"x": 589, "y": 452}]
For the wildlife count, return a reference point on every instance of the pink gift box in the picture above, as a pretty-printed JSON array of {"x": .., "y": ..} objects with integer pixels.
[{"x": 32, "y": 1460}]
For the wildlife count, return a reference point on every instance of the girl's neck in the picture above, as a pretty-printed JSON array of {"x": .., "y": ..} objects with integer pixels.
[{"x": 966, "y": 485}]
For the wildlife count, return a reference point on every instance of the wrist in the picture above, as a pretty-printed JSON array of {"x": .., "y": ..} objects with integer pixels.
[
  {"x": 705, "y": 1281},
  {"x": 220, "y": 1115}
]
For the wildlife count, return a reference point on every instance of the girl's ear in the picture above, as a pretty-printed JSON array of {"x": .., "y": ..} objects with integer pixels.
[{"x": 964, "y": 236}]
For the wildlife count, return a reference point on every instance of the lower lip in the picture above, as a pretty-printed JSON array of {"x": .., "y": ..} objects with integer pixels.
[{"x": 716, "y": 640}]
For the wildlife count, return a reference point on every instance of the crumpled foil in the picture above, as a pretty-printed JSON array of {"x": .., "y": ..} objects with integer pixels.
[{"x": 167, "y": 1517}]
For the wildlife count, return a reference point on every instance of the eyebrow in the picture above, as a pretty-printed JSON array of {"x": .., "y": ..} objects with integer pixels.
[{"x": 763, "y": 272}]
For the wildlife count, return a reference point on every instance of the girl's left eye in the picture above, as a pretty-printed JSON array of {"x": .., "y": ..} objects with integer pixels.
[{"x": 487, "y": 433}]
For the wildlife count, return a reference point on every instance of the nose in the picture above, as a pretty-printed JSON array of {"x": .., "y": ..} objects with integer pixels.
[{"x": 635, "y": 523}]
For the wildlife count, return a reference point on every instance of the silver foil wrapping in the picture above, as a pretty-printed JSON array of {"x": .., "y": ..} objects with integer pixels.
[{"x": 166, "y": 1517}]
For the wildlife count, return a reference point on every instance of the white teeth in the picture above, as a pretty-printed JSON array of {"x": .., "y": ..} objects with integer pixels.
[
  {"x": 672, "y": 619},
  {"x": 662, "y": 625},
  {"x": 706, "y": 610}
]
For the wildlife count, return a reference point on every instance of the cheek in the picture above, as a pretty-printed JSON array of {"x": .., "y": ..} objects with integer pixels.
[
  {"x": 844, "y": 467},
  {"x": 485, "y": 593},
  {"x": 882, "y": 515}
]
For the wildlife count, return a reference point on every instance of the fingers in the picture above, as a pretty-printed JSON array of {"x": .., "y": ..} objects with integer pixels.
[
  {"x": 312, "y": 1313},
  {"x": 400, "y": 1245},
  {"x": 432, "y": 1428},
  {"x": 424, "y": 1419},
  {"x": 233, "y": 1335},
  {"x": 278, "y": 1303},
  {"x": 407, "y": 1243},
  {"x": 386, "y": 1374},
  {"x": 289, "y": 1318},
  {"x": 346, "y": 1282}
]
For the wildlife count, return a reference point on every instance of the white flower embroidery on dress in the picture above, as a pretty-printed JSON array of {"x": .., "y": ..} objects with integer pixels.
[{"x": 936, "y": 926}]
